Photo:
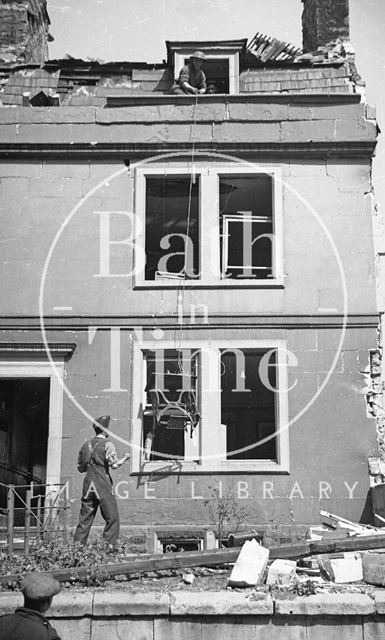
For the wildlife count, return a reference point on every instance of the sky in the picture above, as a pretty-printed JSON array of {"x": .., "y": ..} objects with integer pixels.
[{"x": 136, "y": 30}]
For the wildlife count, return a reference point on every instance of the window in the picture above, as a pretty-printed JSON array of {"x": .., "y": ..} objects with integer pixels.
[
  {"x": 217, "y": 74},
  {"x": 201, "y": 407},
  {"x": 218, "y": 226},
  {"x": 170, "y": 416},
  {"x": 172, "y": 221},
  {"x": 246, "y": 223},
  {"x": 248, "y": 404},
  {"x": 221, "y": 66}
]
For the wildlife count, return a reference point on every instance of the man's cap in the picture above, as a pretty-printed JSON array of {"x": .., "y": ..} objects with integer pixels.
[
  {"x": 198, "y": 54},
  {"x": 102, "y": 422},
  {"x": 39, "y": 586}
]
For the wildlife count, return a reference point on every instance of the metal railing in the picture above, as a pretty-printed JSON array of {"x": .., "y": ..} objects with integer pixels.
[{"x": 32, "y": 512}]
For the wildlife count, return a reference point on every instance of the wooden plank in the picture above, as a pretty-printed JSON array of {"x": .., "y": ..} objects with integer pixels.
[
  {"x": 332, "y": 520},
  {"x": 144, "y": 563},
  {"x": 290, "y": 551},
  {"x": 356, "y": 543}
]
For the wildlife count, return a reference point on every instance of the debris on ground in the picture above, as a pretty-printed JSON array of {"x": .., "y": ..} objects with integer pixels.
[
  {"x": 250, "y": 565},
  {"x": 337, "y": 554},
  {"x": 373, "y": 568},
  {"x": 282, "y": 573}
]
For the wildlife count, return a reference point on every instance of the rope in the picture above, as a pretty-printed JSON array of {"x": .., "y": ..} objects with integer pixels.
[{"x": 182, "y": 289}]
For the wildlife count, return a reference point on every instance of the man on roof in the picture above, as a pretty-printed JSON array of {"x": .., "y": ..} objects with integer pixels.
[{"x": 191, "y": 79}]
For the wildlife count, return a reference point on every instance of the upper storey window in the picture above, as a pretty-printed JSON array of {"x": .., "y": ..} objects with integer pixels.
[{"x": 208, "y": 226}]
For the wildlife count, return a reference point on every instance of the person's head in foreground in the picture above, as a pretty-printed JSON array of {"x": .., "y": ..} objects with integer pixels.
[{"x": 38, "y": 590}]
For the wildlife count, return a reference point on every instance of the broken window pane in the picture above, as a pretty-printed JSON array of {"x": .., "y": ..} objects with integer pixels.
[
  {"x": 171, "y": 405},
  {"x": 172, "y": 227},
  {"x": 246, "y": 224},
  {"x": 248, "y": 404}
]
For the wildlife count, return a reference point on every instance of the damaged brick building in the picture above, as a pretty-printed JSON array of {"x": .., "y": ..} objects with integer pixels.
[{"x": 224, "y": 241}]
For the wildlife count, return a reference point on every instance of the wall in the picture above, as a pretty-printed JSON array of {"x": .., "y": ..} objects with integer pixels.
[
  {"x": 335, "y": 434},
  {"x": 212, "y": 615},
  {"x": 334, "y": 437},
  {"x": 46, "y": 195},
  {"x": 327, "y": 212}
]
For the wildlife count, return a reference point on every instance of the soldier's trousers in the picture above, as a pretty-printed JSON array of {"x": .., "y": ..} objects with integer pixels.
[{"x": 109, "y": 511}]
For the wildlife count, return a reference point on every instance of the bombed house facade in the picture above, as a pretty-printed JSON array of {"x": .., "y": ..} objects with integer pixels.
[{"x": 200, "y": 268}]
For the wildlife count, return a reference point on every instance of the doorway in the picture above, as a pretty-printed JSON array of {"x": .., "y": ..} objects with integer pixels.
[{"x": 24, "y": 426}]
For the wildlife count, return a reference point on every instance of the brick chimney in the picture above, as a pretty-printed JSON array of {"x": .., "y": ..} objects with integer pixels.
[
  {"x": 24, "y": 33},
  {"x": 324, "y": 22}
]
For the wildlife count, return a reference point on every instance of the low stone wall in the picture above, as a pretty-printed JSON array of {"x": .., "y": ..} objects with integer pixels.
[{"x": 115, "y": 615}]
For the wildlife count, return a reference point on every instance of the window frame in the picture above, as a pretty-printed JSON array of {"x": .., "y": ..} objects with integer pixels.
[
  {"x": 209, "y": 226},
  {"x": 233, "y": 60},
  {"x": 207, "y": 440}
]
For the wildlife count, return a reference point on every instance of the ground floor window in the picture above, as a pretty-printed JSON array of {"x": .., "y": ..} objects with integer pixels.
[
  {"x": 248, "y": 410},
  {"x": 171, "y": 401},
  {"x": 215, "y": 405}
]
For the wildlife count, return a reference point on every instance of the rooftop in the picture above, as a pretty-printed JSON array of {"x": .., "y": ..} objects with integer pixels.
[{"x": 263, "y": 66}]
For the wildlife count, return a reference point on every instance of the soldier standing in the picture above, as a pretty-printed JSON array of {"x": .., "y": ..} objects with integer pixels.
[{"x": 95, "y": 459}]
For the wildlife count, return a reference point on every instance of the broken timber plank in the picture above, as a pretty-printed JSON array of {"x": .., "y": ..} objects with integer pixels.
[
  {"x": 158, "y": 562},
  {"x": 332, "y": 520},
  {"x": 144, "y": 563},
  {"x": 315, "y": 547},
  {"x": 358, "y": 543}
]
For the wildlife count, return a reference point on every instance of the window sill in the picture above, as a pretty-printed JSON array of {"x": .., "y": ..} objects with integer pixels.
[
  {"x": 221, "y": 466},
  {"x": 276, "y": 283}
]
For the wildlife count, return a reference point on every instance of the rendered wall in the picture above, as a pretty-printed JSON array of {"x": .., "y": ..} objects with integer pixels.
[
  {"x": 326, "y": 233},
  {"x": 326, "y": 217},
  {"x": 334, "y": 437}
]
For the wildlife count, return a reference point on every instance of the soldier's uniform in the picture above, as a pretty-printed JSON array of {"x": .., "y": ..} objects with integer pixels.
[
  {"x": 28, "y": 622},
  {"x": 98, "y": 489}
]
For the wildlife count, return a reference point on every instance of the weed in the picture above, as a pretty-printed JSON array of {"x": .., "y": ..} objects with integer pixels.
[
  {"x": 307, "y": 588},
  {"x": 61, "y": 552},
  {"x": 225, "y": 513}
]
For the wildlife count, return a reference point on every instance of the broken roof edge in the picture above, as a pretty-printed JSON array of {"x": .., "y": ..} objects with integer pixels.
[{"x": 58, "y": 63}]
